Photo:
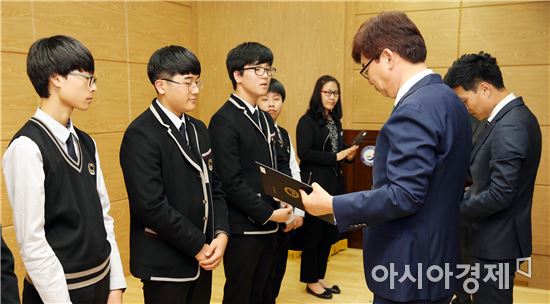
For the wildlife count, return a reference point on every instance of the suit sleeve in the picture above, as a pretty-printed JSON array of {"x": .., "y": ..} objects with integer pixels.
[
  {"x": 305, "y": 142},
  {"x": 141, "y": 165},
  {"x": 509, "y": 148},
  {"x": 225, "y": 145},
  {"x": 410, "y": 164}
]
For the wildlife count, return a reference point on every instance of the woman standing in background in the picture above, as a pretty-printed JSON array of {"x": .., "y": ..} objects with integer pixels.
[{"x": 320, "y": 147}]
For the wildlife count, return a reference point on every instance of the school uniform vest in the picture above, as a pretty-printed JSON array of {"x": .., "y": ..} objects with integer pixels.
[{"x": 74, "y": 224}]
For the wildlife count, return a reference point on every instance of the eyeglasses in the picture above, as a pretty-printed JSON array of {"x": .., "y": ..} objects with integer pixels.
[
  {"x": 91, "y": 78},
  {"x": 365, "y": 70},
  {"x": 260, "y": 71},
  {"x": 190, "y": 85},
  {"x": 331, "y": 93}
]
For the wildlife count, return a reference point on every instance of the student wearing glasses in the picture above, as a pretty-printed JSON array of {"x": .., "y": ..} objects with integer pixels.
[
  {"x": 242, "y": 134},
  {"x": 56, "y": 187},
  {"x": 178, "y": 219},
  {"x": 320, "y": 146}
]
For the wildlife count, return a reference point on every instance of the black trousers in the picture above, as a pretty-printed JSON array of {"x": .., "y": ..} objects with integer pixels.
[
  {"x": 380, "y": 300},
  {"x": 93, "y": 294},
  {"x": 490, "y": 292},
  {"x": 462, "y": 297},
  {"x": 248, "y": 262},
  {"x": 279, "y": 267},
  {"x": 318, "y": 239},
  {"x": 192, "y": 292}
]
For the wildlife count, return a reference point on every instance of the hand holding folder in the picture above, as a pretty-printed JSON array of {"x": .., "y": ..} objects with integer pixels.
[{"x": 286, "y": 189}]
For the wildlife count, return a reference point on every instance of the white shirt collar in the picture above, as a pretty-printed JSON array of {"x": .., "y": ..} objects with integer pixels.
[
  {"x": 60, "y": 131},
  {"x": 251, "y": 108},
  {"x": 173, "y": 117},
  {"x": 501, "y": 105},
  {"x": 410, "y": 83}
]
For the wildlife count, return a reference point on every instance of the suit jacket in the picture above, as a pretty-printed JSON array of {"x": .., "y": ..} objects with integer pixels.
[
  {"x": 176, "y": 202},
  {"x": 238, "y": 142},
  {"x": 503, "y": 168},
  {"x": 420, "y": 165}
]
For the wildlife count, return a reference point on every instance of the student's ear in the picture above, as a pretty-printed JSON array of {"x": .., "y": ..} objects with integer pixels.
[
  {"x": 160, "y": 86},
  {"x": 237, "y": 75},
  {"x": 57, "y": 80}
]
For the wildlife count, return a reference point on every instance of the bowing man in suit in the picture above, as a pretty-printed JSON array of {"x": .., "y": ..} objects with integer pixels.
[
  {"x": 411, "y": 214},
  {"x": 503, "y": 168},
  {"x": 178, "y": 215},
  {"x": 241, "y": 135}
]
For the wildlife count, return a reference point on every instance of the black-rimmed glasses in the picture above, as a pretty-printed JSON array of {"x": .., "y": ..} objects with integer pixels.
[
  {"x": 91, "y": 78},
  {"x": 190, "y": 85},
  {"x": 365, "y": 70},
  {"x": 260, "y": 71},
  {"x": 331, "y": 93}
]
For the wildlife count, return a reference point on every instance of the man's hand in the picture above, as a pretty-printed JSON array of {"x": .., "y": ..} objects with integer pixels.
[
  {"x": 201, "y": 256},
  {"x": 282, "y": 214},
  {"x": 297, "y": 222},
  {"x": 319, "y": 202},
  {"x": 115, "y": 296},
  {"x": 214, "y": 254}
]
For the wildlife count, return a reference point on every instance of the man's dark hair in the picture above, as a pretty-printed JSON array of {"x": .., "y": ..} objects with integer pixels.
[
  {"x": 56, "y": 55},
  {"x": 172, "y": 60},
  {"x": 471, "y": 69},
  {"x": 316, "y": 108},
  {"x": 244, "y": 54},
  {"x": 275, "y": 86},
  {"x": 392, "y": 30}
]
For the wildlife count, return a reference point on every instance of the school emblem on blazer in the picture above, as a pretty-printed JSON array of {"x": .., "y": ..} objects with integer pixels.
[
  {"x": 292, "y": 192},
  {"x": 367, "y": 156},
  {"x": 91, "y": 168},
  {"x": 210, "y": 164}
]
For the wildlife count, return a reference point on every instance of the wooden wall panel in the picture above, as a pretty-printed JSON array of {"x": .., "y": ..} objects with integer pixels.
[
  {"x": 141, "y": 89},
  {"x": 543, "y": 175},
  {"x": 16, "y": 15},
  {"x": 541, "y": 225},
  {"x": 19, "y": 99},
  {"x": 108, "y": 146},
  {"x": 533, "y": 84},
  {"x": 8, "y": 233},
  {"x": 369, "y": 7},
  {"x": 99, "y": 25},
  {"x": 152, "y": 25},
  {"x": 109, "y": 109},
  {"x": 514, "y": 34},
  {"x": 306, "y": 39},
  {"x": 7, "y": 217}
]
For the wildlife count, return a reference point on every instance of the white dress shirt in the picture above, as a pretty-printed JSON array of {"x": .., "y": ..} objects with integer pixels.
[
  {"x": 24, "y": 175},
  {"x": 501, "y": 105}
]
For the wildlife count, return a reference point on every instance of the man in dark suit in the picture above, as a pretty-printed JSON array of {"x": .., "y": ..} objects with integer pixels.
[
  {"x": 420, "y": 165},
  {"x": 241, "y": 135},
  {"x": 178, "y": 216},
  {"x": 10, "y": 292},
  {"x": 503, "y": 168}
]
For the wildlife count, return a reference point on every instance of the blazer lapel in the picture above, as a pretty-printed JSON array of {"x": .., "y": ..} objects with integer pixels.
[
  {"x": 175, "y": 134},
  {"x": 239, "y": 104},
  {"x": 485, "y": 133}
]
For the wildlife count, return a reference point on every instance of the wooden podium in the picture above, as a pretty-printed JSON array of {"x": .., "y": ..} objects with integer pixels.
[{"x": 357, "y": 177}]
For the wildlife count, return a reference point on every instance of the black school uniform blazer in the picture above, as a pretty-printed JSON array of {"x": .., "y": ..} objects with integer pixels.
[
  {"x": 176, "y": 201},
  {"x": 238, "y": 142}
]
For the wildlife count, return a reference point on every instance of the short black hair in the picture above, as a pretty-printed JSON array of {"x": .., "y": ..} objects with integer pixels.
[
  {"x": 275, "y": 86},
  {"x": 56, "y": 55},
  {"x": 316, "y": 108},
  {"x": 244, "y": 54},
  {"x": 471, "y": 69},
  {"x": 171, "y": 60}
]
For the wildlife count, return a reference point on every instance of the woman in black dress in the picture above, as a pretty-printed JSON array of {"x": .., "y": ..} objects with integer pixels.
[{"x": 320, "y": 147}]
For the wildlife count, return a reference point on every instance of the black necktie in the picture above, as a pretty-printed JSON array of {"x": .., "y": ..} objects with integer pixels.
[
  {"x": 70, "y": 147},
  {"x": 256, "y": 118},
  {"x": 183, "y": 131}
]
